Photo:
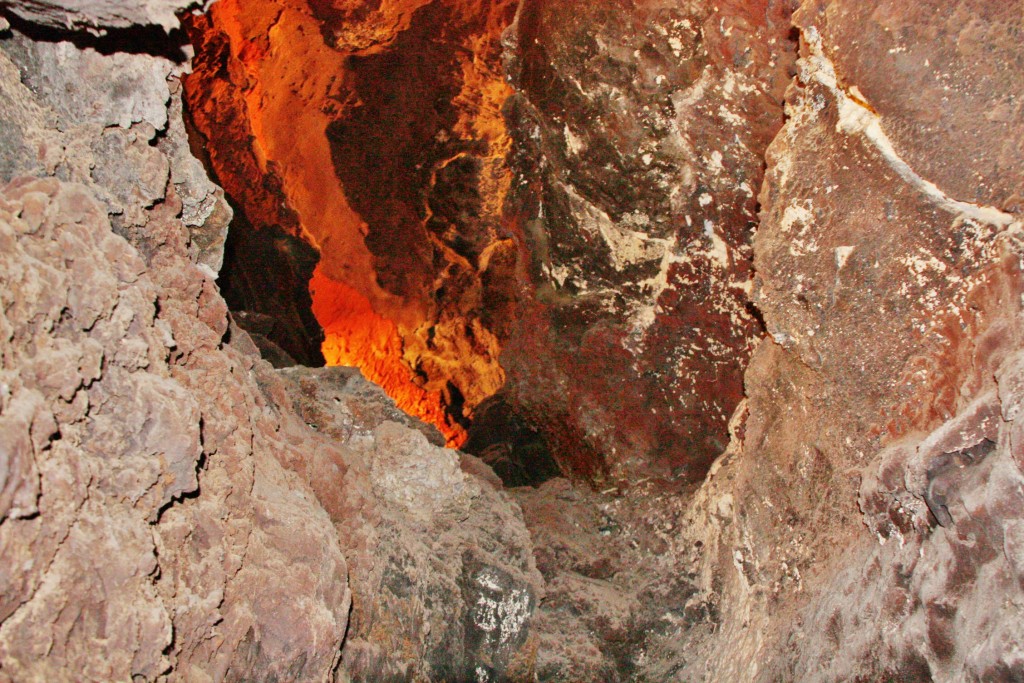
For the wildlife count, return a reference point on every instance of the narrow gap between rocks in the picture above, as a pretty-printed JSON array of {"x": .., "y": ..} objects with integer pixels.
[{"x": 411, "y": 199}]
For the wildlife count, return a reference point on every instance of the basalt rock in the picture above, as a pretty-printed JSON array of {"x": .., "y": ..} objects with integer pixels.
[
  {"x": 99, "y": 16},
  {"x": 143, "y": 530},
  {"x": 374, "y": 135},
  {"x": 174, "y": 508},
  {"x": 440, "y": 563},
  {"x": 862, "y": 524}
]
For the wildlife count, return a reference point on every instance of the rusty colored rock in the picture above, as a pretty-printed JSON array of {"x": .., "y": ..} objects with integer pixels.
[
  {"x": 165, "y": 512},
  {"x": 864, "y": 507},
  {"x": 173, "y": 508},
  {"x": 640, "y": 132}
]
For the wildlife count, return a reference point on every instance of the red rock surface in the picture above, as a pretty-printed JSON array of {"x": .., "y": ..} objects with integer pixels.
[
  {"x": 166, "y": 511},
  {"x": 862, "y": 524},
  {"x": 640, "y": 131},
  {"x": 624, "y": 297},
  {"x": 376, "y": 136}
]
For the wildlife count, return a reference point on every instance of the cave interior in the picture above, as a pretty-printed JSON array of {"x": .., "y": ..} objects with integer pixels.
[{"x": 512, "y": 340}]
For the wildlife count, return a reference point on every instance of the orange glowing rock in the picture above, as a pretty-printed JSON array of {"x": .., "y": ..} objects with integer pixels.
[
  {"x": 377, "y": 136},
  {"x": 356, "y": 336}
]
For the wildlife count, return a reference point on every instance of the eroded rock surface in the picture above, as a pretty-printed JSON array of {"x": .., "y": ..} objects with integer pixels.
[
  {"x": 100, "y": 15},
  {"x": 171, "y": 507},
  {"x": 374, "y": 135},
  {"x": 440, "y": 562},
  {"x": 640, "y": 131},
  {"x": 167, "y": 511},
  {"x": 862, "y": 524},
  {"x": 138, "y": 513}
]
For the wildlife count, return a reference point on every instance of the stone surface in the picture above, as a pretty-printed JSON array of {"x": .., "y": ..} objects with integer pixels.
[
  {"x": 144, "y": 533},
  {"x": 620, "y": 307},
  {"x": 375, "y": 135},
  {"x": 99, "y": 15},
  {"x": 173, "y": 508},
  {"x": 133, "y": 511},
  {"x": 167, "y": 512},
  {"x": 639, "y": 130},
  {"x": 857, "y": 528},
  {"x": 618, "y": 579},
  {"x": 440, "y": 563}
]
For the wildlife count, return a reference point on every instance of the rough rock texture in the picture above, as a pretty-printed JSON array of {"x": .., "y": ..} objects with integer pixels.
[
  {"x": 99, "y": 15},
  {"x": 171, "y": 507},
  {"x": 165, "y": 512},
  {"x": 440, "y": 562},
  {"x": 640, "y": 131},
  {"x": 374, "y": 134},
  {"x": 863, "y": 524},
  {"x": 619, "y": 580},
  {"x": 144, "y": 527},
  {"x": 616, "y": 264}
]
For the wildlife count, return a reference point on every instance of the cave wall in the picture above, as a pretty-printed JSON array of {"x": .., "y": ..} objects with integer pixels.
[
  {"x": 145, "y": 518},
  {"x": 374, "y": 134},
  {"x": 171, "y": 507},
  {"x": 864, "y": 523},
  {"x": 601, "y": 245},
  {"x": 640, "y": 133}
]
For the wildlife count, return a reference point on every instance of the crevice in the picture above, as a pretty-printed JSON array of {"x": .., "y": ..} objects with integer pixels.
[{"x": 154, "y": 41}]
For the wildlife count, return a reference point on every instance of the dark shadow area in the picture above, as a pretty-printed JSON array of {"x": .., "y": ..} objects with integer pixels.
[
  {"x": 265, "y": 282},
  {"x": 136, "y": 40},
  {"x": 265, "y": 279},
  {"x": 517, "y": 453}
]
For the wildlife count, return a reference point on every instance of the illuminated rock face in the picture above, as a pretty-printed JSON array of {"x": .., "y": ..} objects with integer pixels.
[
  {"x": 616, "y": 272},
  {"x": 173, "y": 508},
  {"x": 375, "y": 136}
]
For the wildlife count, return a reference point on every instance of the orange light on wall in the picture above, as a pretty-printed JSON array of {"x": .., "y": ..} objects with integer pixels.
[
  {"x": 356, "y": 336},
  {"x": 336, "y": 125}
]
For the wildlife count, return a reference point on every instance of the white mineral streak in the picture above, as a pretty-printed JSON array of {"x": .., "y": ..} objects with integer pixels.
[
  {"x": 643, "y": 317},
  {"x": 626, "y": 244},
  {"x": 572, "y": 142},
  {"x": 842, "y": 255},
  {"x": 855, "y": 118},
  {"x": 719, "y": 252}
]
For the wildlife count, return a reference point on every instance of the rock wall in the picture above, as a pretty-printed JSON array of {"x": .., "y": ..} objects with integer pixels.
[
  {"x": 864, "y": 523},
  {"x": 640, "y": 133},
  {"x": 168, "y": 510},
  {"x": 145, "y": 517},
  {"x": 172, "y": 507},
  {"x": 375, "y": 135}
]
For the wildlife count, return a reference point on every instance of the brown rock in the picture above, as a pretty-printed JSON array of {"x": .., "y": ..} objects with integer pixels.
[
  {"x": 99, "y": 15},
  {"x": 892, "y": 295},
  {"x": 440, "y": 562}
]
